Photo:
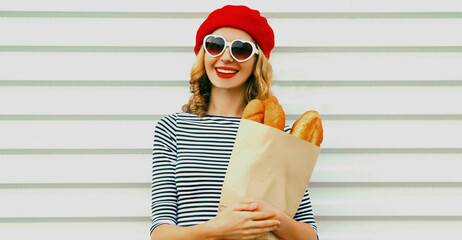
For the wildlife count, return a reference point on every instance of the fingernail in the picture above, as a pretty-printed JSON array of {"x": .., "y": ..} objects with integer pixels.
[{"x": 253, "y": 205}]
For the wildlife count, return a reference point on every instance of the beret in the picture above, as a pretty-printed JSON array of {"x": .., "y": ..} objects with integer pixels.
[{"x": 240, "y": 17}]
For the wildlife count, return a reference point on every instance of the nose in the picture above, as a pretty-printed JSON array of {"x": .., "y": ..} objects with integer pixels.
[{"x": 226, "y": 56}]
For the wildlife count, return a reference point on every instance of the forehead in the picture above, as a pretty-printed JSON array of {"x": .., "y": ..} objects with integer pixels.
[{"x": 230, "y": 34}]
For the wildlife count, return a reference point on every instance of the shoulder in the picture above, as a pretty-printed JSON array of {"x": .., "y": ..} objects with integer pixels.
[
  {"x": 168, "y": 120},
  {"x": 167, "y": 124},
  {"x": 171, "y": 121}
]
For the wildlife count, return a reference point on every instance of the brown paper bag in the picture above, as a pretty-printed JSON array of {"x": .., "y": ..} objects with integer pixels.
[{"x": 269, "y": 164}]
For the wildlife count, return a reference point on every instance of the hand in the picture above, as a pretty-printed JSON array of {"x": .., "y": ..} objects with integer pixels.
[
  {"x": 262, "y": 206},
  {"x": 266, "y": 207},
  {"x": 242, "y": 220},
  {"x": 279, "y": 215}
]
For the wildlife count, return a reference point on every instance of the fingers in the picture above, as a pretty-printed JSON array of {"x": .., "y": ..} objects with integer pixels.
[
  {"x": 253, "y": 233},
  {"x": 248, "y": 221},
  {"x": 244, "y": 206},
  {"x": 259, "y": 215},
  {"x": 259, "y": 231},
  {"x": 270, "y": 223},
  {"x": 254, "y": 236}
]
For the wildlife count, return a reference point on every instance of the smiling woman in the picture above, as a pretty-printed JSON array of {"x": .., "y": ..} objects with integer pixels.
[{"x": 192, "y": 149}]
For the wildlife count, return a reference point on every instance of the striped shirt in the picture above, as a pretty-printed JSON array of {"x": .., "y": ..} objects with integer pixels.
[{"x": 190, "y": 158}]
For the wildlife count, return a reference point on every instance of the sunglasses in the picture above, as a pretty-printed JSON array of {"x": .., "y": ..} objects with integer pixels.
[{"x": 240, "y": 50}]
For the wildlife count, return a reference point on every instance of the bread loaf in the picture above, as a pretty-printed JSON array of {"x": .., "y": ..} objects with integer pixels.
[
  {"x": 317, "y": 136},
  {"x": 254, "y": 111},
  {"x": 305, "y": 126},
  {"x": 274, "y": 115},
  {"x": 269, "y": 112}
]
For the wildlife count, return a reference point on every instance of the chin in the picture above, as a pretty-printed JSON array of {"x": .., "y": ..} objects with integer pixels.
[{"x": 225, "y": 84}]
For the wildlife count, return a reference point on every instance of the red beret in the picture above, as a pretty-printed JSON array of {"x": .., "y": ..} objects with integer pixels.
[{"x": 240, "y": 17}]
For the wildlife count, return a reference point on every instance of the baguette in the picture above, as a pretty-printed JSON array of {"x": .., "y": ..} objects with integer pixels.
[
  {"x": 274, "y": 115},
  {"x": 317, "y": 136},
  {"x": 270, "y": 99},
  {"x": 268, "y": 112},
  {"x": 309, "y": 127},
  {"x": 254, "y": 111}
]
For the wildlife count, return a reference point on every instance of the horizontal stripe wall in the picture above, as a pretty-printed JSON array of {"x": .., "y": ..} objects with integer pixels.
[{"x": 83, "y": 83}]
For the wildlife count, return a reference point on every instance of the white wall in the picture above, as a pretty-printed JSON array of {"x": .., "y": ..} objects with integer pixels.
[{"x": 82, "y": 84}]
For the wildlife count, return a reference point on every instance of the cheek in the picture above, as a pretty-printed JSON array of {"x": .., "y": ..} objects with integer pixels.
[
  {"x": 248, "y": 67},
  {"x": 208, "y": 63}
]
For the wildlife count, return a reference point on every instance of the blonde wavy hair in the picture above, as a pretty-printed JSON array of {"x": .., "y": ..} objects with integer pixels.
[{"x": 258, "y": 84}]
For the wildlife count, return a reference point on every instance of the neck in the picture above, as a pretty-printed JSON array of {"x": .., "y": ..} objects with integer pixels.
[{"x": 226, "y": 102}]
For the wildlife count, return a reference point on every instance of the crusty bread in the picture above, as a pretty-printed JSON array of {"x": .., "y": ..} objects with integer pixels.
[
  {"x": 274, "y": 115},
  {"x": 254, "y": 111},
  {"x": 317, "y": 136},
  {"x": 272, "y": 99},
  {"x": 305, "y": 125},
  {"x": 268, "y": 112}
]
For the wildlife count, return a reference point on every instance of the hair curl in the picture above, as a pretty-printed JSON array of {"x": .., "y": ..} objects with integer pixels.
[{"x": 258, "y": 84}]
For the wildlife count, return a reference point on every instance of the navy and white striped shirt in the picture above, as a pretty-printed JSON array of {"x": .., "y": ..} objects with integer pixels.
[{"x": 190, "y": 158}]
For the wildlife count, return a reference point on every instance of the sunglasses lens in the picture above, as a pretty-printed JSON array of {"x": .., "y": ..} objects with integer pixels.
[
  {"x": 241, "y": 50},
  {"x": 214, "y": 45}
]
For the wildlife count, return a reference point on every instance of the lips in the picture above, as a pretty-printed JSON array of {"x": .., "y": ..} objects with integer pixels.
[{"x": 226, "y": 72}]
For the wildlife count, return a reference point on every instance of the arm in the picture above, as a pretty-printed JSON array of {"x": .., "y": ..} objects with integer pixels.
[
  {"x": 302, "y": 226},
  {"x": 239, "y": 221},
  {"x": 293, "y": 230},
  {"x": 163, "y": 188},
  {"x": 305, "y": 216},
  {"x": 172, "y": 232}
]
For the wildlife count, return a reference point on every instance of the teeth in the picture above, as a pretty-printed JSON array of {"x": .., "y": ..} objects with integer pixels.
[{"x": 226, "y": 71}]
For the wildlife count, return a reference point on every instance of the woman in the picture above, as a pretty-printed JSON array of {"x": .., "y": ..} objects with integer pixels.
[{"x": 192, "y": 148}]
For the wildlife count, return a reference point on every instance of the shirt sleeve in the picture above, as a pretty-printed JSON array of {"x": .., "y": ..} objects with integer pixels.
[
  {"x": 305, "y": 211},
  {"x": 163, "y": 189}
]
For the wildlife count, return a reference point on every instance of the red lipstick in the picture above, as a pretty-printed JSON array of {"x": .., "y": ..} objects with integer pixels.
[{"x": 226, "y": 75}]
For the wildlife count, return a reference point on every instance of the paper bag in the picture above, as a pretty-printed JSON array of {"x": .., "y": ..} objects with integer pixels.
[{"x": 269, "y": 164}]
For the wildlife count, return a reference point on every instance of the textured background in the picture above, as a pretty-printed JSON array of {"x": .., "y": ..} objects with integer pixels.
[{"x": 83, "y": 82}]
